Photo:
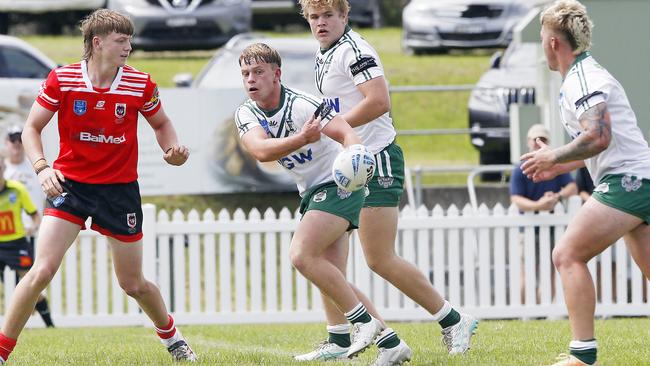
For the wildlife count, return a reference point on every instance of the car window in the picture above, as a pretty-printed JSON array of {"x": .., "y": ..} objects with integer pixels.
[
  {"x": 15, "y": 63},
  {"x": 224, "y": 72},
  {"x": 519, "y": 55}
]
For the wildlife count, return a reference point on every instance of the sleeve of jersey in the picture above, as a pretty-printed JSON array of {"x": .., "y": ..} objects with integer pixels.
[
  {"x": 152, "y": 99},
  {"x": 586, "y": 92},
  {"x": 362, "y": 64},
  {"x": 28, "y": 205},
  {"x": 308, "y": 106},
  {"x": 49, "y": 95},
  {"x": 245, "y": 120}
]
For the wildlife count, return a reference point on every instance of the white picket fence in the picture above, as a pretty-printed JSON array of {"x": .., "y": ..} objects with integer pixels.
[{"x": 237, "y": 269}]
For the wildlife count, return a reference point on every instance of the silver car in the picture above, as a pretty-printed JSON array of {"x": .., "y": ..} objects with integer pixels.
[
  {"x": 184, "y": 24},
  {"x": 443, "y": 24},
  {"x": 22, "y": 70}
]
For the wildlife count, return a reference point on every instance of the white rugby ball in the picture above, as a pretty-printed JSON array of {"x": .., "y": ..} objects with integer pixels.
[{"x": 353, "y": 168}]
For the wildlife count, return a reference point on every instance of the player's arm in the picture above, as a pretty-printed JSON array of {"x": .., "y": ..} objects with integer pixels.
[
  {"x": 594, "y": 139},
  {"x": 174, "y": 153},
  {"x": 339, "y": 130},
  {"x": 49, "y": 178},
  {"x": 568, "y": 190},
  {"x": 264, "y": 149},
  {"x": 375, "y": 102}
]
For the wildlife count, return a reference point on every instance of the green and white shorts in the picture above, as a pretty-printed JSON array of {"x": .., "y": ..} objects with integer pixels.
[
  {"x": 328, "y": 197},
  {"x": 626, "y": 193},
  {"x": 387, "y": 184}
]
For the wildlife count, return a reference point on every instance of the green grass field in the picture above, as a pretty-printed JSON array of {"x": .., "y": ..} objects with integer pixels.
[
  {"x": 621, "y": 341},
  {"x": 410, "y": 110}
]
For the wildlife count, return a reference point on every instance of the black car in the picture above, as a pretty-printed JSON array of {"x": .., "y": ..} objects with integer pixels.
[{"x": 511, "y": 79}]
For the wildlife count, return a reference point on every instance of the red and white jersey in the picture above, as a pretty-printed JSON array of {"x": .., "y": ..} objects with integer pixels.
[{"x": 98, "y": 127}]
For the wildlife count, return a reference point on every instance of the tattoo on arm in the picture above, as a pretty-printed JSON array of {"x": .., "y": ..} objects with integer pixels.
[{"x": 594, "y": 139}]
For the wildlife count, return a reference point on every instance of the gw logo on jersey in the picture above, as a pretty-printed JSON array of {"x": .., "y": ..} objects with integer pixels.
[
  {"x": 333, "y": 103},
  {"x": 289, "y": 162}
]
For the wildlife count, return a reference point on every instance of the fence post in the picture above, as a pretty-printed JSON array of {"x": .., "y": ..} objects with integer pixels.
[{"x": 149, "y": 259}]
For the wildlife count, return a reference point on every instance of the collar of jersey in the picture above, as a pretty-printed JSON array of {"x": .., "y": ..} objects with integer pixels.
[
  {"x": 579, "y": 58},
  {"x": 324, "y": 50},
  {"x": 274, "y": 111}
]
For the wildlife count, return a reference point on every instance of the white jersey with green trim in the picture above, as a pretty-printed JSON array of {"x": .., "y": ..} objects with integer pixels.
[
  {"x": 311, "y": 164},
  {"x": 587, "y": 84},
  {"x": 349, "y": 62}
]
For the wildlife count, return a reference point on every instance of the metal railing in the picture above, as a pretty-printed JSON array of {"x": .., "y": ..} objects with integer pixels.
[{"x": 414, "y": 189}]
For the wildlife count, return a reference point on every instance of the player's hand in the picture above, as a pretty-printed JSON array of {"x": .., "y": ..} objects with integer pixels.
[
  {"x": 537, "y": 163},
  {"x": 50, "y": 180},
  {"x": 311, "y": 130},
  {"x": 177, "y": 155}
]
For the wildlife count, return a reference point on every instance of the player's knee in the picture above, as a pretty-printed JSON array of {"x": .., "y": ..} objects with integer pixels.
[
  {"x": 562, "y": 256},
  {"x": 41, "y": 276},
  {"x": 379, "y": 263},
  {"x": 134, "y": 289},
  {"x": 298, "y": 258}
]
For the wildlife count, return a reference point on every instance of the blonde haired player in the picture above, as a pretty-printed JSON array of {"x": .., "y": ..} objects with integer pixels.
[
  {"x": 606, "y": 139},
  {"x": 95, "y": 175},
  {"x": 350, "y": 78}
]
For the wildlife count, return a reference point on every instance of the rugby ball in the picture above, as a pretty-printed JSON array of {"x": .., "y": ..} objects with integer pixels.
[{"x": 353, "y": 168}]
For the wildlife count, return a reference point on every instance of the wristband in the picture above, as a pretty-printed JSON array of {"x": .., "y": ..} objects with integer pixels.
[
  {"x": 37, "y": 160},
  {"x": 41, "y": 168}
]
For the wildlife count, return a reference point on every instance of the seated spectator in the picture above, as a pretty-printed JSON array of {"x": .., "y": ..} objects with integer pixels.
[{"x": 542, "y": 196}]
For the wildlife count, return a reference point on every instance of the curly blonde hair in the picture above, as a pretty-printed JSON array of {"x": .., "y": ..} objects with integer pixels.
[
  {"x": 569, "y": 17},
  {"x": 343, "y": 6}
]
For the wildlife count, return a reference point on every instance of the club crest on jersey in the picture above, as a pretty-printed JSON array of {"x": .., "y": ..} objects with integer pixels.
[
  {"x": 12, "y": 197},
  {"x": 631, "y": 183},
  {"x": 120, "y": 110},
  {"x": 79, "y": 107},
  {"x": 343, "y": 194},
  {"x": 131, "y": 221},
  {"x": 320, "y": 196},
  {"x": 385, "y": 181}
]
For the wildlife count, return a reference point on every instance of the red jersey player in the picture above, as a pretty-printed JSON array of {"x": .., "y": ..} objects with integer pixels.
[{"x": 95, "y": 175}]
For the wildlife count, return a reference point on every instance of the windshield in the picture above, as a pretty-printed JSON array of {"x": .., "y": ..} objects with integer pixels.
[
  {"x": 520, "y": 55},
  {"x": 224, "y": 72}
]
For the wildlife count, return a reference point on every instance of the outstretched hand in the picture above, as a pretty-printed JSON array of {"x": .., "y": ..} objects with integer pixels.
[
  {"x": 538, "y": 165},
  {"x": 176, "y": 155}
]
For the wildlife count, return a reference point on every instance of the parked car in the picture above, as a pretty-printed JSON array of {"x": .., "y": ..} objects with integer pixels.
[
  {"x": 22, "y": 70},
  {"x": 229, "y": 160},
  {"x": 184, "y": 24},
  {"x": 511, "y": 79},
  {"x": 50, "y": 15},
  {"x": 365, "y": 13},
  {"x": 443, "y": 24}
]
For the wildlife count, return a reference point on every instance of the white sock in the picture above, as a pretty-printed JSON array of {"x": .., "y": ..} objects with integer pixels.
[
  {"x": 443, "y": 312},
  {"x": 339, "y": 328}
]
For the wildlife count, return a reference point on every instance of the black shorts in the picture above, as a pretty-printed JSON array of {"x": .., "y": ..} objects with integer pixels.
[
  {"x": 17, "y": 254},
  {"x": 116, "y": 209}
]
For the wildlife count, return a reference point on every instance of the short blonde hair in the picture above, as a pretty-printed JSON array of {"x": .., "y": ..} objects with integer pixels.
[
  {"x": 101, "y": 23},
  {"x": 569, "y": 17},
  {"x": 260, "y": 52},
  {"x": 343, "y": 6}
]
